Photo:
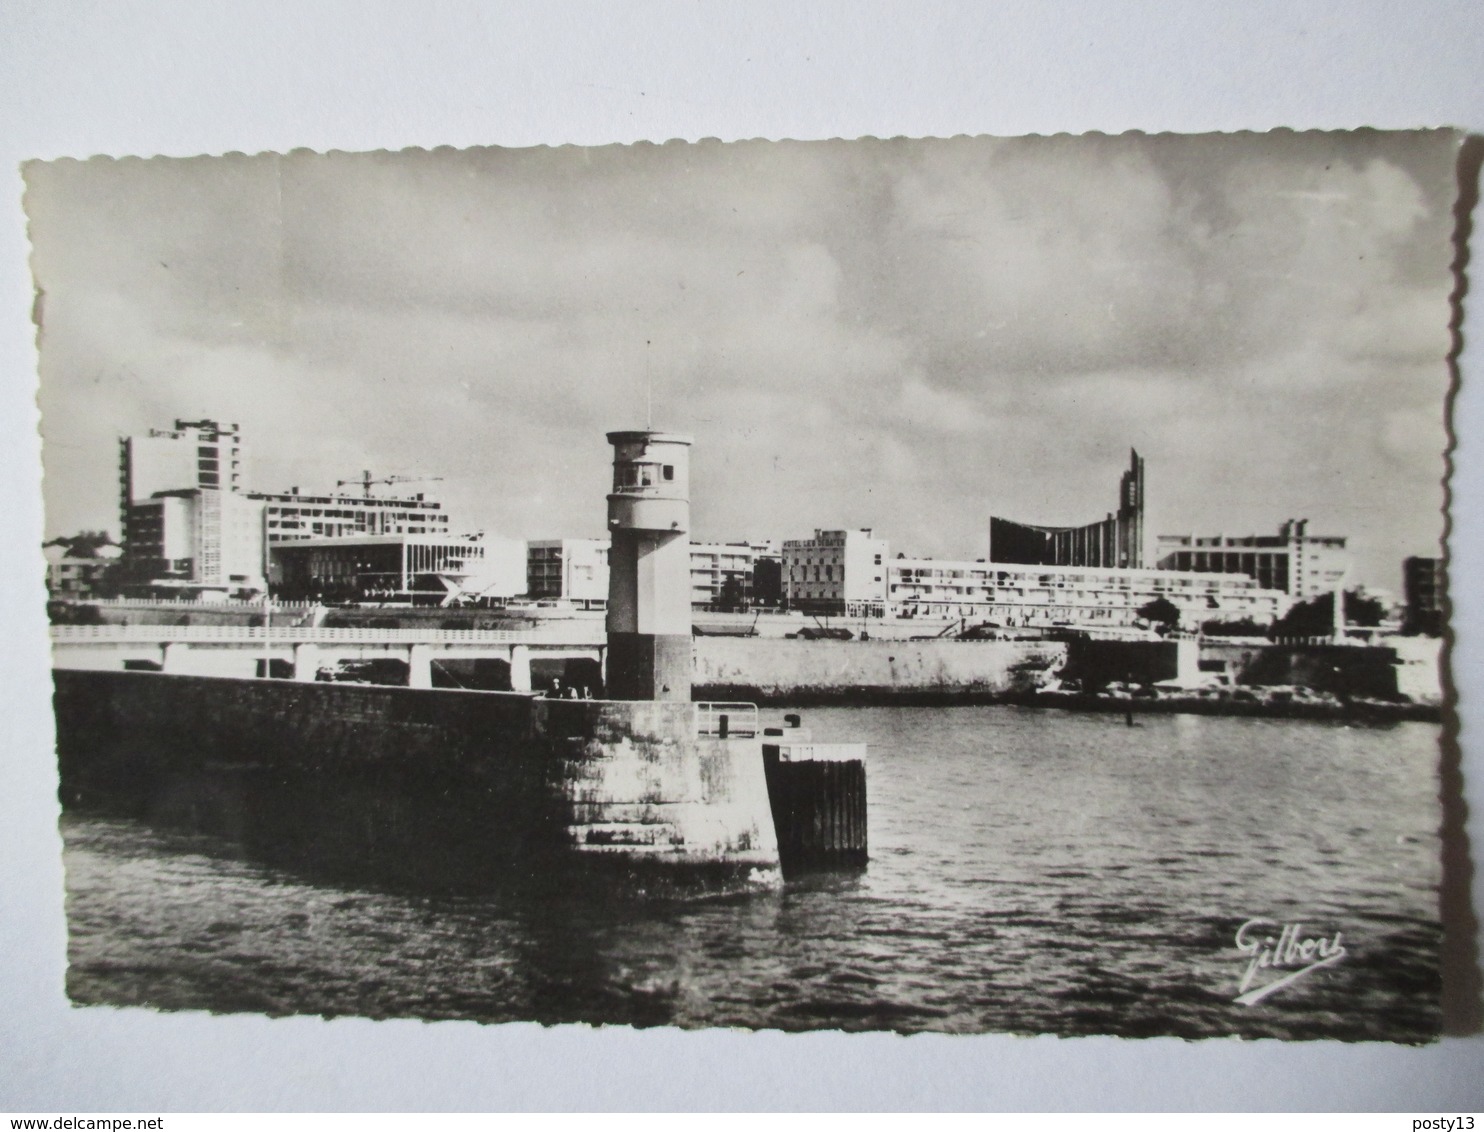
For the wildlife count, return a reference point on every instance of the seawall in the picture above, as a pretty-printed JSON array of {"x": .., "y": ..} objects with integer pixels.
[
  {"x": 767, "y": 670},
  {"x": 1403, "y": 667},
  {"x": 493, "y": 785},
  {"x": 770, "y": 670}
]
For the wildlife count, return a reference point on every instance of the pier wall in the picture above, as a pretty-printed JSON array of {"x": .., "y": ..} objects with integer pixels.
[
  {"x": 634, "y": 776},
  {"x": 504, "y": 777},
  {"x": 767, "y": 669}
]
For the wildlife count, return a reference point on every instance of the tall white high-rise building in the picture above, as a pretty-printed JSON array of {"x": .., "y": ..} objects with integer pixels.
[
  {"x": 194, "y": 455},
  {"x": 186, "y": 523}
]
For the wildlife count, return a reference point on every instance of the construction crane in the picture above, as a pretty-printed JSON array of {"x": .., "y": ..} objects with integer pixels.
[{"x": 366, "y": 480}]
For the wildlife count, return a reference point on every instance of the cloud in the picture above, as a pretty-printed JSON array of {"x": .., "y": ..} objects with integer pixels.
[{"x": 900, "y": 334}]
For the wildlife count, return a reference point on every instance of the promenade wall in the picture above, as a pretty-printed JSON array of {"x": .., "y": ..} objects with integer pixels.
[
  {"x": 1354, "y": 670},
  {"x": 771, "y": 670},
  {"x": 774, "y": 670}
]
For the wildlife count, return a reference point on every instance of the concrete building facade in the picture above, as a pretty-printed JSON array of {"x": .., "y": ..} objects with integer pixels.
[
  {"x": 189, "y": 525},
  {"x": 839, "y": 572},
  {"x": 1425, "y": 590},
  {"x": 291, "y": 515},
  {"x": 568, "y": 569},
  {"x": 194, "y": 540},
  {"x": 735, "y": 575},
  {"x": 1083, "y": 597},
  {"x": 194, "y": 455},
  {"x": 186, "y": 524},
  {"x": 1299, "y": 564},
  {"x": 576, "y": 570},
  {"x": 852, "y": 574},
  {"x": 77, "y": 578},
  {"x": 427, "y": 569}
]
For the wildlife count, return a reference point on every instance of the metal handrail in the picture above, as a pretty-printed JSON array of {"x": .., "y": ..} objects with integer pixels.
[
  {"x": 566, "y": 634},
  {"x": 727, "y": 720},
  {"x": 227, "y": 604}
]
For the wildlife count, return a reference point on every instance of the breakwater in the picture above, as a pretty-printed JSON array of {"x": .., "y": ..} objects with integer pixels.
[{"x": 492, "y": 785}]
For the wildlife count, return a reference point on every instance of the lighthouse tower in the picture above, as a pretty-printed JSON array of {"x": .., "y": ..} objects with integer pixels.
[{"x": 649, "y": 631}]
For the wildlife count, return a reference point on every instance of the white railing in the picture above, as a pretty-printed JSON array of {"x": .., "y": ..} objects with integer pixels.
[
  {"x": 734, "y": 721},
  {"x": 1351, "y": 642},
  {"x": 819, "y": 752},
  {"x": 196, "y": 603},
  {"x": 567, "y": 633}
]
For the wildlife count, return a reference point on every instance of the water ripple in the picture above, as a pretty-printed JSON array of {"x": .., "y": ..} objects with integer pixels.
[{"x": 1031, "y": 871}]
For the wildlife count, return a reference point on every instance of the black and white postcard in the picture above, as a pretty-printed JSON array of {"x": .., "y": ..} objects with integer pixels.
[{"x": 977, "y": 585}]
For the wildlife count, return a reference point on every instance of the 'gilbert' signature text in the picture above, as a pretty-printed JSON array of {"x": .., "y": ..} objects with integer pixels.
[{"x": 1284, "y": 950}]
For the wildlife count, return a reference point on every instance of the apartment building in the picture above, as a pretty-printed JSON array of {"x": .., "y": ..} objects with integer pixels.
[
  {"x": 568, "y": 569},
  {"x": 1293, "y": 561},
  {"x": 1087, "y": 597},
  {"x": 735, "y": 575},
  {"x": 291, "y": 515}
]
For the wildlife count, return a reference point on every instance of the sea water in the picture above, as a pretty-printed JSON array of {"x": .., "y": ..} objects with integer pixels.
[{"x": 1031, "y": 870}]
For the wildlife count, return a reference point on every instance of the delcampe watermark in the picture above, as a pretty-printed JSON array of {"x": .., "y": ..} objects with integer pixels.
[{"x": 1289, "y": 956}]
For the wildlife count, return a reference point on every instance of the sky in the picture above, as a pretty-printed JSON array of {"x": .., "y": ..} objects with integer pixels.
[{"x": 908, "y": 335}]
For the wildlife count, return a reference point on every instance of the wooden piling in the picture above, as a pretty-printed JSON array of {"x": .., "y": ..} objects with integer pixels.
[{"x": 817, "y": 792}]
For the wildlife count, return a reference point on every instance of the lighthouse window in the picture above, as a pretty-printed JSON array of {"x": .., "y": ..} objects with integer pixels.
[
  {"x": 636, "y": 475},
  {"x": 669, "y": 471}
]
